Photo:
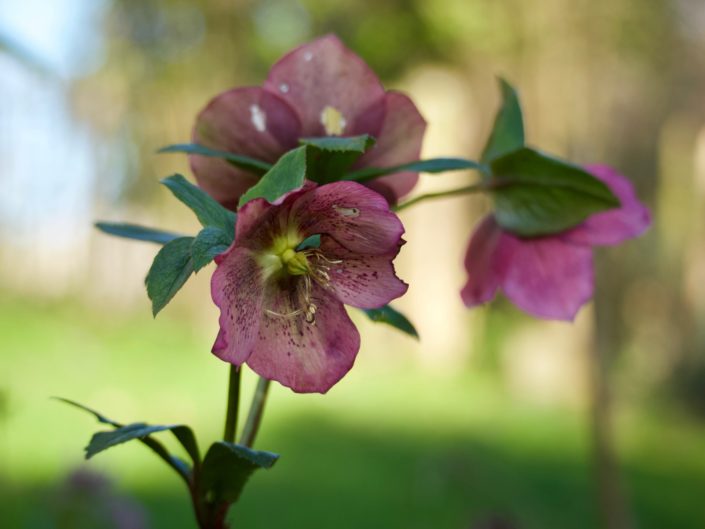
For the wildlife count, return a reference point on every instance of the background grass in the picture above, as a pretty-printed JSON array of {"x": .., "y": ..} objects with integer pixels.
[{"x": 390, "y": 446}]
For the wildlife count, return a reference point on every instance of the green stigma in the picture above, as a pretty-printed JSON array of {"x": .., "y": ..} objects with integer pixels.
[{"x": 282, "y": 257}]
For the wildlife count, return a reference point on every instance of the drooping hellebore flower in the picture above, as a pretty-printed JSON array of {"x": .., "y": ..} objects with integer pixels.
[
  {"x": 281, "y": 303},
  {"x": 550, "y": 277},
  {"x": 318, "y": 89}
]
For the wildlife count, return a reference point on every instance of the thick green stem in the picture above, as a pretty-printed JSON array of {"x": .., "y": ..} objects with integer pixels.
[
  {"x": 475, "y": 188},
  {"x": 254, "y": 417},
  {"x": 233, "y": 404}
]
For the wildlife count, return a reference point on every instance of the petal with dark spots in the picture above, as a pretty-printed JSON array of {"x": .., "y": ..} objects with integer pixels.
[
  {"x": 236, "y": 288},
  {"x": 363, "y": 281},
  {"x": 355, "y": 216},
  {"x": 306, "y": 357},
  {"x": 322, "y": 77},
  {"x": 248, "y": 121},
  {"x": 483, "y": 273},
  {"x": 399, "y": 142},
  {"x": 613, "y": 226},
  {"x": 546, "y": 277}
]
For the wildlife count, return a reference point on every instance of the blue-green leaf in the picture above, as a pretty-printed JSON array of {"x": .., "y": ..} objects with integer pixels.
[
  {"x": 508, "y": 132},
  {"x": 536, "y": 194},
  {"x": 227, "y": 467},
  {"x": 434, "y": 165},
  {"x": 170, "y": 269},
  {"x": 392, "y": 317},
  {"x": 286, "y": 175},
  {"x": 208, "y": 211},
  {"x": 238, "y": 160},
  {"x": 136, "y": 232},
  {"x": 329, "y": 158},
  {"x": 209, "y": 242},
  {"x": 183, "y": 434}
]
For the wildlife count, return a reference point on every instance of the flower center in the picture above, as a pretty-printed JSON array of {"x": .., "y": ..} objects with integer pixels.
[
  {"x": 333, "y": 121},
  {"x": 296, "y": 272}
]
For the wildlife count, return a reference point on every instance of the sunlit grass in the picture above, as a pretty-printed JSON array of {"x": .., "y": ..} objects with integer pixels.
[{"x": 390, "y": 446}]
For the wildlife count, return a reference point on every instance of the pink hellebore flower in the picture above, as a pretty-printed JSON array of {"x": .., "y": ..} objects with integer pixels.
[
  {"x": 281, "y": 307},
  {"x": 318, "y": 89},
  {"x": 550, "y": 277}
]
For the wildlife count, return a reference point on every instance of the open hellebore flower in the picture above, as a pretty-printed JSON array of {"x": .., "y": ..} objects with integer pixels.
[
  {"x": 550, "y": 277},
  {"x": 281, "y": 303},
  {"x": 318, "y": 89}
]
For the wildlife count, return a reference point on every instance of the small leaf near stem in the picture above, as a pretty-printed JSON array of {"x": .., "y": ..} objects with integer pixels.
[
  {"x": 233, "y": 404},
  {"x": 475, "y": 188},
  {"x": 254, "y": 417}
]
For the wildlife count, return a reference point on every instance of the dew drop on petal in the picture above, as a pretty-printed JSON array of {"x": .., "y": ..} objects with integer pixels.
[
  {"x": 258, "y": 118},
  {"x": 308, "y": 56},
  {"x": 283, "y": 88},
  {"x": 347, "y": 212}
]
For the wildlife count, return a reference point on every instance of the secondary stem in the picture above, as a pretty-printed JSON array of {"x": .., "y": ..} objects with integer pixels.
[
  {"x": 233, "y": 402},
  {"x": 254, "y": 417},
  {"x": 475, "y": 188}
]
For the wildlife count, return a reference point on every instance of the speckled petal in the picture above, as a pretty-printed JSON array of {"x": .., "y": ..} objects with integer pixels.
[
  {"x": 355, "y": 216},
  {"x": 306, "y": 357},
  {"x": 363, "y": 281},
  {"x": 248, "y": 121},
  {"x": 616, "y": 225},
  {"x": 546, "y": 277},
  {"x": 483, "y": 272},
  {"x": 236, "y": 288},
  {"x": 399, "y": 142},
  {"x": 325, "y": 74}
]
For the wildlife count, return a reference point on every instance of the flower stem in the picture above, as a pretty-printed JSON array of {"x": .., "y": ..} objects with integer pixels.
[
  {"x": 475, "y": 188},
  {"x": 233, "y": 402},
  {"x": 254, "y": 417}
]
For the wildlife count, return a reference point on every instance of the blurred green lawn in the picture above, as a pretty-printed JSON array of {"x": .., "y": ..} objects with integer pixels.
[{"x": 390, "y": 446}]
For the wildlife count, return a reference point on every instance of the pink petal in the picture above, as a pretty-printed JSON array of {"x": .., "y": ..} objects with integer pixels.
[
  {"x": 356, "y": 217},
  {"x": 324, "y": 73},
  {"x": 248, "y": 121},
  {"x": 399, "y": 142},
  {"x": 306, "y": 357},
  {"x": 483, "y": 274},
  {"x": 236, "y": 288},
  {"x": 546, "y": 277},
  {"x": 616, "y": 225},
  {"x": 363, "y": 281}
]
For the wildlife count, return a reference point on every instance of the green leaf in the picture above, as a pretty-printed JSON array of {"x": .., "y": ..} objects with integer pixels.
[
  {"x": 139, "y": 233},
  {"x": 208, "y": 243},
  {"x": 103, "y": 440},
  {"x": 359, "y": 144},
  {"x": 392, "y": 317},
  {"x": 170, "y": 269},
  {"x": 536, "y": 194},
  {"x": 238, "y": 160},
  {"x": 329, "y": 158},
  {"x": 508, "y": 131},
  {"x": 227, "y": 467},
  {"x": 208, "y": 211},
  {"x": 314, "y": 241},
  {"x": 286, "y": 175},
  {"x": 434, "y": 165}
]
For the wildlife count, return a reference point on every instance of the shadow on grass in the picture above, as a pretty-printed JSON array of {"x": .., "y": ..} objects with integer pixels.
[{"x": 335, "y": 476}]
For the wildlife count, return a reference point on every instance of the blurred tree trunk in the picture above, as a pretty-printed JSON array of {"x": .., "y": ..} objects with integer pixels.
[{"x": 614, "y": 508}]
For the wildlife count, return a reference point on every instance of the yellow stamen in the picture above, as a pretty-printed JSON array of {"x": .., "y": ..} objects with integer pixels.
[{"x": 333, "y": 121}]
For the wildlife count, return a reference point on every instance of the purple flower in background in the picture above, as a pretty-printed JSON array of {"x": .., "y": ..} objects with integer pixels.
[
  {"x": 550, "y": 277},
  {"x": 318, "y": 89},
  {"x": 281, "y": 304}
]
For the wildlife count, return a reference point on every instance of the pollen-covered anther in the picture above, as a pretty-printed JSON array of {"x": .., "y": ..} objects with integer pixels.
[{"x": 333, "y": 121}]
